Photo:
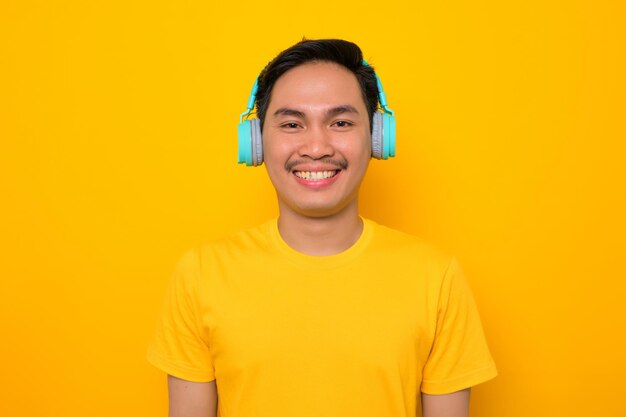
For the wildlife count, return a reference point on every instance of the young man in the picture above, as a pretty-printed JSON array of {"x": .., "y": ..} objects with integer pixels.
[{"x": 320, "y": 313}]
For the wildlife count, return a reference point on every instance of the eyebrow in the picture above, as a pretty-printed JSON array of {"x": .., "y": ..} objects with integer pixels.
[
  {"x": 285, "y": 111},
  {"x": 344, "y": 108}
]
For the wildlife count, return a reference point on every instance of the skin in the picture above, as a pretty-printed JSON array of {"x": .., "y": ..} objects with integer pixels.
[
  {"x": 191, "y": 399},
  {"x": 316, "y": 121},
  {"x": 455, "y": 404}
]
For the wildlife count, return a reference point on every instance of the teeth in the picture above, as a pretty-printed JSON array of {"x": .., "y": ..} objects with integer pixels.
[{"x": 314, "y": 175}]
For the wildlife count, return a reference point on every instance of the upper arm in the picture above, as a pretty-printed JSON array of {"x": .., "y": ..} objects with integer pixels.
[
  {"x": 191, "y": 399},
  {"x": 455, "y": 404}
]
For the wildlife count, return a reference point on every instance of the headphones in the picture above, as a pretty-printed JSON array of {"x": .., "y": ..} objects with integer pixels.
[{"x": 383, "y": 130}]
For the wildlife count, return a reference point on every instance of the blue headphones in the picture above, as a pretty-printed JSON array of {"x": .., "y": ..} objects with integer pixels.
[{"x": 383, "y": 130}]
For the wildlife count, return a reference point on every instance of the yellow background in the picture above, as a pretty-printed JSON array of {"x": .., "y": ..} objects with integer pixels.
[{"x": 118, "y": 148}]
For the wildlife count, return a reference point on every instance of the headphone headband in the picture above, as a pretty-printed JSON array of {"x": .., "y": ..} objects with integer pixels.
[{"x": 382, "y": 98}]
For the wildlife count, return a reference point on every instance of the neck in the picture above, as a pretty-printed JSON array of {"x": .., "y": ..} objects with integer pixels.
[{"x": 320, "y": 236}]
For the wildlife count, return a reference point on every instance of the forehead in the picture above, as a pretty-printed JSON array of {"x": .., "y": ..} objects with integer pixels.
[{"x": 317, "y": 84}]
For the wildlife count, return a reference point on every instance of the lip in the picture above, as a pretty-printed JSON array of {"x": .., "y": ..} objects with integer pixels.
[{"x": 318, "y": 184}]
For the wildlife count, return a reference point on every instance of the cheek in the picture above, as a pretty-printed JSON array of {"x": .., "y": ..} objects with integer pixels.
[
  {"x": 275, "y": 149},
  {"x": 357, "y": 151}
]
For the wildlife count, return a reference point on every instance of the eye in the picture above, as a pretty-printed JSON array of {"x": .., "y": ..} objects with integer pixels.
[
  {"x": 290, "y": 125},
  {"x": 343, "y": 123}
]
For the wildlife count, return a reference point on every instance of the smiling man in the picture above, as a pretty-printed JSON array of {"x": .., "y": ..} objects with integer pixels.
[{"x": 319, "y": 313}]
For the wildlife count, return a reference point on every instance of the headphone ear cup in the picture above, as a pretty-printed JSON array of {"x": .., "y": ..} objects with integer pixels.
[
  {"x": 244, "y": 135},
  {"x": 389, "y": 135},
  {"x": 257, "y": 142},
  {"x": 377, "y": 135},
  {"x": 250, "y": 142}
]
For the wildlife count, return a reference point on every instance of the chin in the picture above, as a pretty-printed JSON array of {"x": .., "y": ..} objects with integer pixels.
[{"x": 316, "y": 210}]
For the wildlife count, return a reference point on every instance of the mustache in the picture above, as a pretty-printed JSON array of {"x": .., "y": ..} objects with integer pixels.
[{"x": 339, "y": 163}]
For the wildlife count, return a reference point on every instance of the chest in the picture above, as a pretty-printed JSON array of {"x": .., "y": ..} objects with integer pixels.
[{"x": 360, "y": 323}]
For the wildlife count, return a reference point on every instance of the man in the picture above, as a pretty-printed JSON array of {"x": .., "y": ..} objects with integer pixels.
[{"x": 320, "y": 313}]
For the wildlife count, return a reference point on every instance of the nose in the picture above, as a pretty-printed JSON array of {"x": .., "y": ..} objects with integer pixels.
[{"x": 316, "y": 143}]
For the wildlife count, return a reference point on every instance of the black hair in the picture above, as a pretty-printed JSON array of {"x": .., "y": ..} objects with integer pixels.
[{"x": 344, "y": 53}]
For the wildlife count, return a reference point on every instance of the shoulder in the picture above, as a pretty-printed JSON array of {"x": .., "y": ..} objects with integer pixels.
[
  {"x": 419, "y": 266},
  {"x": 407, "y": 246},
  {"x": 243, "y": 244},
  {"x": 406, "y": 256}
]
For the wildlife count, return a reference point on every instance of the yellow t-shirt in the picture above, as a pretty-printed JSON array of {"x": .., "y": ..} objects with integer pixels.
[{"x": 284, "y": 334}]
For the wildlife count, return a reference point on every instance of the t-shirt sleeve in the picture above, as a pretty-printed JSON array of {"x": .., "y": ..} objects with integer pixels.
[
  {"x": 178, "y": 346},
  {"x": 459, "y": 357}
]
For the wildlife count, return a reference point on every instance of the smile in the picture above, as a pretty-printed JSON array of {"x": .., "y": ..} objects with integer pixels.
[{"x": 315, "y": 175}]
